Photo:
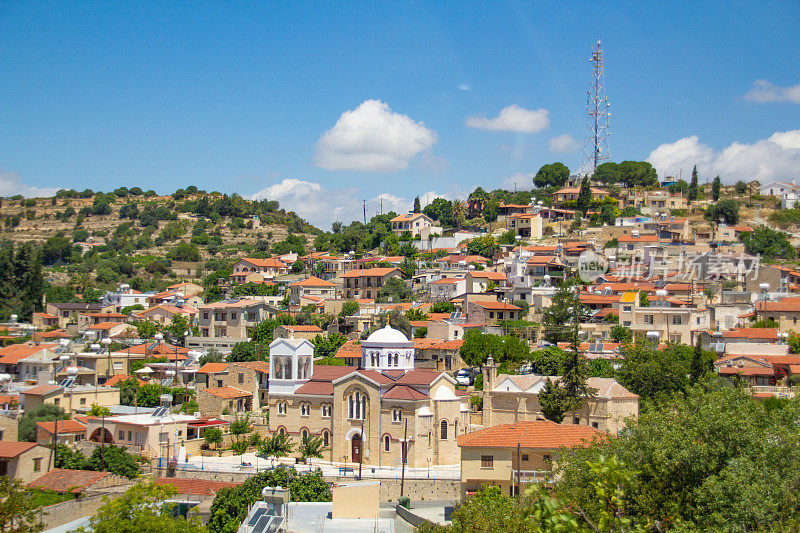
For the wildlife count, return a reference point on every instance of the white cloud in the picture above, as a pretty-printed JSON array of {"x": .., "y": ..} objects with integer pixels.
[
  {"x": 322, "y": 206},
  {"x": 563, "y": 144},
  {"x": 763, "y": 91},
  {"x": 517, "y": 151},
  {"x": 11, "y": 185},
  {"x": 433, "y": 162},
  {"x": 774, "y": 158},
  {"x": 464, "y": 87},
  {"x": 372, "y": 138},
  {"x": 521, "y": 181},
  {"x": 513, "y": 118}
]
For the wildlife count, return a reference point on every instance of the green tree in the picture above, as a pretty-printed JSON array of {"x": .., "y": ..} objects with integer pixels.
[
  {"x": 349, "y": 308},
  {"x": 240, "y": 427},
  {"x": 441, "y": 210},
  {"x": 554, "y": 401},
  {"x": 17, "y": 513},
  {"x": 148, "y": 395},
  {"x": 559, "y": 315},
  {"x": 607, "y": 173},
  {"x": 143, "y": 508},
  {"x": 41, "y": 413},
  {"x": 716, "y": 188},
  {"x": 395, "y": 290},
  {"x": 726, "y": 211},
  {"x": 231, "y": 505},
  {"x": 483, "y": 246},
  {"x": 98, "y": 410},
  {"x": 311, "y": 446},
  {"x": 114, "y": 459},
  {"x": 509, "y": 237},
  {"x": 741, "y": 187},
  {"x": 741, "y": 483},
  {"x": 442, "y": 307},
  {"x": 276, "y": 446},
  {"x": 417, "y": 207},
  {"x": 213, "y": 436},
  {"x": 655, "y": 373},
  {"x": 621, "y": 334},
  {"x": 693, "y": 187},
  {"x": 184, "y": 251},
  {"x": 768, "y": 243},
  {"x": 700, "y": 364},
  {"x": 584, "y": 196},
  {"x": 552, "y": 175},
  {"x": 146, "y": 329}
]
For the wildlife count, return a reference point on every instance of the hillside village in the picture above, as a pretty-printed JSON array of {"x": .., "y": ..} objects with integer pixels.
[{"x": 201, "y": 340}]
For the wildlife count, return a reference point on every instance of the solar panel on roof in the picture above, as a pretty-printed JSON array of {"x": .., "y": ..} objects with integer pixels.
[
  {"x": 257, "y": 514},
  {"x": 161, "y": 411},
  {"x": 67, "y": 382},
  {"x": 166, "y": 382}
]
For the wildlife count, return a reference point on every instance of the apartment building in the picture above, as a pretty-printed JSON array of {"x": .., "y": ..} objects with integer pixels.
[
  {"x": 223, "y": 324},
  {"x": 311, "y": 290}
]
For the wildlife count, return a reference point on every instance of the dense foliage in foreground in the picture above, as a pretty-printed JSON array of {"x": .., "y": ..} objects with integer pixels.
[{"x": 712, "y": 458}]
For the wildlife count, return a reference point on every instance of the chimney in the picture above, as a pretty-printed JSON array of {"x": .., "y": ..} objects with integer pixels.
[{"x": 490, "y": 374}]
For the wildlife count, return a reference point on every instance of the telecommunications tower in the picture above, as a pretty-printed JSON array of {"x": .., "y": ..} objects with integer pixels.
[{"x": 595, "y": 144}]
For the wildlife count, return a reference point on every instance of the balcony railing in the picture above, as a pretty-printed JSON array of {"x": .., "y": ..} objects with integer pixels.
[{"x": 531, "y": 476}]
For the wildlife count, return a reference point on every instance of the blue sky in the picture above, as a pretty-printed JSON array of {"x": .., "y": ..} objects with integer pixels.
[{"x": 322, "y": 105}]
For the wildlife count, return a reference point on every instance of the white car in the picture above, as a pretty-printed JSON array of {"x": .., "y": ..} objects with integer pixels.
[{"x": 464, "y": 377}]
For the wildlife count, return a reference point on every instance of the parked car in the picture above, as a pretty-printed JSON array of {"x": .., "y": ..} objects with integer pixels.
[{"x": 465, "y": 377}]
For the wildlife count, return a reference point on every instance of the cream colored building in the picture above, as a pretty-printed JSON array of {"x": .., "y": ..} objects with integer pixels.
[
  {"x": 512, "y": 456},
  {"x": 416, "y": 224},
  {"x": 525, "y": 225},
  {"x": 312, "y": 289},
  {"x": 25, "y": 461},
  {"x": 785, "y": 312},
  {"x": 72, "y": 398},
  {"x": 513, "y": 398},
  {"x": 365, "y": 414}
]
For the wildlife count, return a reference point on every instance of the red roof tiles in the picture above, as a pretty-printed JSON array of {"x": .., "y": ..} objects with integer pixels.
[{"x": 541, "y": 434}]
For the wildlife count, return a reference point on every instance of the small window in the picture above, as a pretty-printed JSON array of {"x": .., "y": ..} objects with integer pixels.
[
  {"x": 325, "y": 438},
  {"x": 576, "y": 420},
  {"x": 83, "y": 401},
  {"x": 241, "y": 378},
  {"x": 281, "y": 431},
  {"x": 546, "y": 457},
  {"x": 386, "y": 443},
  {"x": 130, "y": 435},
  {"x": 326, "y": 410},
  {"x": 281, "y": 408},
  {"x": 219, "y": 383},
  {"x": 524, "y": 456},
  {"x": 443, "y": 432},
  {"x": 397, "y": 415},
  {"x": 37, "y": 464},
  {"x": 304, "y": 434},
  {"x": 487, "y": 461},
  {"x": 121, "y": 435},
  {"x": 305, "y": 409},
  {"x": 57, "y": 401}
]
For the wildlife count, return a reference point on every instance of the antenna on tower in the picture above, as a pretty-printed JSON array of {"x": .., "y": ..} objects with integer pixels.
[
  {"x": 365, "y": 212},
  {"x": 595, "y": 144}
]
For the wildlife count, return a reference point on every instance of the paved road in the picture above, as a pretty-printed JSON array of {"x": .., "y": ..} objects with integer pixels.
[{"x": 256, "y": 463}]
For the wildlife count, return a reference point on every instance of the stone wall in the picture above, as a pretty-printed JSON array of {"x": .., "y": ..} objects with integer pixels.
[
  {"x": 65, "y": 512},
  {"x": 416, "y": 489}
]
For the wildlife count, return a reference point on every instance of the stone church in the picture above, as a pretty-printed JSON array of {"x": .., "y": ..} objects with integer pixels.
[{"x": 366, "y": 414}]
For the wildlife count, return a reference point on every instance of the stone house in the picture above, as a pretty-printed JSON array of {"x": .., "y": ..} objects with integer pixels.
[
  {"x": 311, "y": 290},
  {"x": 416, "y": 224},
  {"x": 254, "y": 269},
  {"x": 513, "y": 398},
  {"x": 492, "y": 312},
  {"x": 367, "y": 282},
  {"x": 25, "y": 461},
  {"x": 525, "y": 225},
  {"x": 307, "y": 331},
  {"x": 226, "y": 400}
]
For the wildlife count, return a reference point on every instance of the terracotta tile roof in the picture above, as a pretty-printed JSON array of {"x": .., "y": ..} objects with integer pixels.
[
  {"x": 425, "y": 343},
  {"x": 306, "y": 329},
  {"x": 225, "y": 304},
  {"x": 751, "y": 333},
  {"x": 313, "y": 281},
  {"x": 316, "y": 388},
  {"x": 641, "y": 238},
  {"x": 14, "y": 353},
  {"x": 446, "y": 281},
  {"x": 746, "y": 370},
  {"x": 106, "y": 325},
  {"x": 646, "y": 286},
  {"x": 64, "y": 426},
  {"x": 11, "y": 399},
  {"x": 543, "y": 260},
  {"x": 265, "y": 263},
  {"x": 590, "y": 299},
  {"x": 488, "y": 274},
  {"x": 63, "y": 480},
  {"x": 259, "y": 366},
  {"x": 121, "y": 378},
  {"x": 227, "y": 393},
  {"x": 403, "y": 392},
  {"x": 212, "y": 368},
  {"x": 55, "y": 334},
  {"x": 198, "y": 487},
  {"x": 160, "y": 349},
  {"x": 790, "y": 304},
  {"x": 41, "y": 390},
  {"x": 419, "y": 377},
  {"x": 539, "y": 434},
  {"x": 105, "y": 315},
  {"x": 46, "y": 315},
  {"x": 371, "y": 272},
  {"x": 329, "y": 373},
  {"x": 496, "y": 305},
  {"x": 10, "y": 449},
  {"x": 378, "y": 377},
  {"x": 350, "y": 348},
  {"x": 406, "y": 217},
  {"x": 450, "y": 345}
]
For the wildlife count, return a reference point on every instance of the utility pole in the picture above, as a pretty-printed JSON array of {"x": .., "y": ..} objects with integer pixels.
[
  {"x": 519, "y": 466},
  {"x": 403, "y": 455},
  {"x": 365, "y": 212}
]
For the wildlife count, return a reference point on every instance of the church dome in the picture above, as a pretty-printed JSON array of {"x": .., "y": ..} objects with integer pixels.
[{"x": 387, "y": 335}]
